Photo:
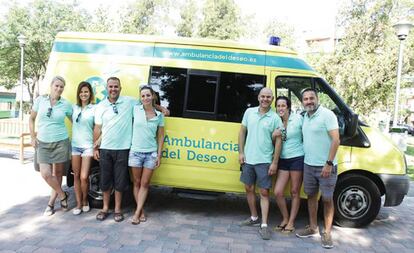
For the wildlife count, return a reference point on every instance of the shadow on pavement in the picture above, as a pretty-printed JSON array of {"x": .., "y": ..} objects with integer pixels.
[{"x": 177, "y": 224}]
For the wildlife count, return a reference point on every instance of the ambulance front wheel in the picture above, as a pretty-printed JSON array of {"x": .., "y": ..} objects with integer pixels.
[{"x": 357, "y": 201}]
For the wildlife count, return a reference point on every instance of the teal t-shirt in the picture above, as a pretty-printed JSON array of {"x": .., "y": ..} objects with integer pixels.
[
  {"x": 144, "y": 134},
  {"x": 293, "y": 145},
  {"x": 316, "y": 139},
  {"x": 116, "y": 122},
  {"x": 82, "y": 126},
  {"x": 259, "y": 147},
  {"x": 51, "y": 119}
]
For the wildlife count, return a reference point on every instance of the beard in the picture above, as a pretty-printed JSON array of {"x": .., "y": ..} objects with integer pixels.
[{"x": 311, "y": 108}]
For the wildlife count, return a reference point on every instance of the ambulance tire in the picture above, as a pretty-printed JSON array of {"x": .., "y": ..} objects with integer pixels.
[
  {"x": 357, "y": 201},
  {"x": 95, "y": 195}
]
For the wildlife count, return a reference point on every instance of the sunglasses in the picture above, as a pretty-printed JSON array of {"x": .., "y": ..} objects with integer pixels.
[
  {"x": 144, "y": 87},
  {"x": 114, "y": 108},
  {"x": 49, "y": 112},
  {"x": 78, "y": 118},
  {"x": 284, "y": 134}
]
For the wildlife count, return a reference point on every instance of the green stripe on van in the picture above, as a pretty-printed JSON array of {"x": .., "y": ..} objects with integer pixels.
[
  {"x": 100, "y": 48},
  {"x": 181, "y": 53}
]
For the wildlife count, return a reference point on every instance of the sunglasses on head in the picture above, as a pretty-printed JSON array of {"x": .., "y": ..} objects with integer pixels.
[
  {"x": 144, "y": 87},
  {"x": 49, "y": 112}
]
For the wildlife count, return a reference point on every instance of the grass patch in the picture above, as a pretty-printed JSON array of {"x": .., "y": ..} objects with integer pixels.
[{"x": 410, "y": 172}]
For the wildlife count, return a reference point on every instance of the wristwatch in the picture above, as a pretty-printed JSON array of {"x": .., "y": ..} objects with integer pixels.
[{"x": 329, "y": 162}]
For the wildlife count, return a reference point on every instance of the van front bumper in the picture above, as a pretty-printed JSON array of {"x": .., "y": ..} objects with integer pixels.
[{"x": 396, "y": 187}]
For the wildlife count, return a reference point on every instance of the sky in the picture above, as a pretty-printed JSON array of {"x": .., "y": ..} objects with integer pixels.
[
  {"x": 305, "y": 15},
  {"x": 310, "y": 18}
]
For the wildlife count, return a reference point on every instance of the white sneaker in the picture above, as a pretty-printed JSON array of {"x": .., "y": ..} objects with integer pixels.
[
  {"x": 77, "y": 211},
  {"x": 86, "y": 209}
]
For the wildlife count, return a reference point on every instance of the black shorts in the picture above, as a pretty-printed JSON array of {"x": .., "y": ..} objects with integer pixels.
[
  {"x": 294, "y": 163},
  {"x": 114, "y": 169}
]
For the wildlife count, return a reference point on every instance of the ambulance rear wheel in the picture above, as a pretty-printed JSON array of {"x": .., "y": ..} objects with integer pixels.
[{"x": 95, "y": 195}]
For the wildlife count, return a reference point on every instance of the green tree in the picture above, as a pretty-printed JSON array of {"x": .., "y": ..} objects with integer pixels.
[
  {"x": 221, "y": 20},
  {"x": 187, "y": 27},
  {"x": 39, "y": 21},
  {"x": 146, "y": 17},
  {"x": 102, "y": 21},
  {"x": 363, "y": 66}
]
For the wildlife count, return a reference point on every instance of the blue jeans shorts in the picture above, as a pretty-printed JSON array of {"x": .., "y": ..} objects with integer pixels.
[
  {"x": 313, "y": 182},
  {"x": 82, "y": 151},
  {"x": 146, "y": 160},
  {"x": 257, "y": 173}
]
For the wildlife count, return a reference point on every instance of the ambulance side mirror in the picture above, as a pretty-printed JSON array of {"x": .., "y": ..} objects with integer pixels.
[{"x": 351, "y": 125}]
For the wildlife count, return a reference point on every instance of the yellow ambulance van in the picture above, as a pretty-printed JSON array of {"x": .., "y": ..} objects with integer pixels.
[{"x": 207, "y": 85}]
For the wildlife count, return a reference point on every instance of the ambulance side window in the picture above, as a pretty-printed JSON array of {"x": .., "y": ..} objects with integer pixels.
[
  {"x": 292, "y": 87},
  {"x": 170, "y": 85},
  {"x": 202, "y": 94}
]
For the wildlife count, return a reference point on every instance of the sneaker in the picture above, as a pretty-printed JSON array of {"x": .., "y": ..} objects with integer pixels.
[
  {"x": 265, "y": 233},
  {"x": 86, "y": 208},
  {"x": 77, "y": 211},
  {"x": 307, "y": 232},
  {"x": 250, "y": 222},
  {"x": 327, "y": 240}
]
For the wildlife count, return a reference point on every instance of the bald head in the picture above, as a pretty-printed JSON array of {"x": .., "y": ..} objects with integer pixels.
[
  {"x": 265, "y": 98},
  {"x": 266, "y": 91}
]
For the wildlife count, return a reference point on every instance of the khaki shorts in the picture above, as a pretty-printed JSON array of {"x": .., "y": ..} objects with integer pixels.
[{"x": 53, "y": 152}]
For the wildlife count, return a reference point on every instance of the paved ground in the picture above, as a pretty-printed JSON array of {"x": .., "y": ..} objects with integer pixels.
[{"x": 175, "y": 224}]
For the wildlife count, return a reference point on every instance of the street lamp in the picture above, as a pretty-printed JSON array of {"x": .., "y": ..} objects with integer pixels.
[
  {"x": 402, "y": 29},
  {"x": 22, "y": 43}
]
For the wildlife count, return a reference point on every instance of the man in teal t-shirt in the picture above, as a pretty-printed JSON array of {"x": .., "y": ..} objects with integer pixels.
[
  {"x": 113, "y": 126},
  {"x": 320, "y": 144},
  {"x": 259, "y": 157}
]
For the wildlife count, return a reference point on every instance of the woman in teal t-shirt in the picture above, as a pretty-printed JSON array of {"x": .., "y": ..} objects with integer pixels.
[
  {"x": 146, "y": 149},
  {"x": 290, "y": 164},
  {"x": 82, "y": 144},
  {"x": 52, "y": 140}
]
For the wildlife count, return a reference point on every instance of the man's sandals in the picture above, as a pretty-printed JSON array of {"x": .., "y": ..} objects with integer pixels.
[
  {"x": 102, "y": 215},
  {"x": 118, "y": 217}
]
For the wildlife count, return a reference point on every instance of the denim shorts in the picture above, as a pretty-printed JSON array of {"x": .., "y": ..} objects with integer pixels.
[
  {"x": 82, "y": 151},
  {"x": 146, "y": 160},
  {"x": 289, "y": 164},
  {"x": 258, "y": 174},
  {"x": 313, "y": 182}
]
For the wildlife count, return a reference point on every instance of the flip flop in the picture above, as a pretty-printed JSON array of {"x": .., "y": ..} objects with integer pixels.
[
  {"x": 279, "y": 227},
  {"x": 135, "y": 221},
  {"x": 143, "y": 219},
  {"x": 118, "y": 217},
  {"x": 287, "y": 231},
  {"x": 101, "y": 215}
]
